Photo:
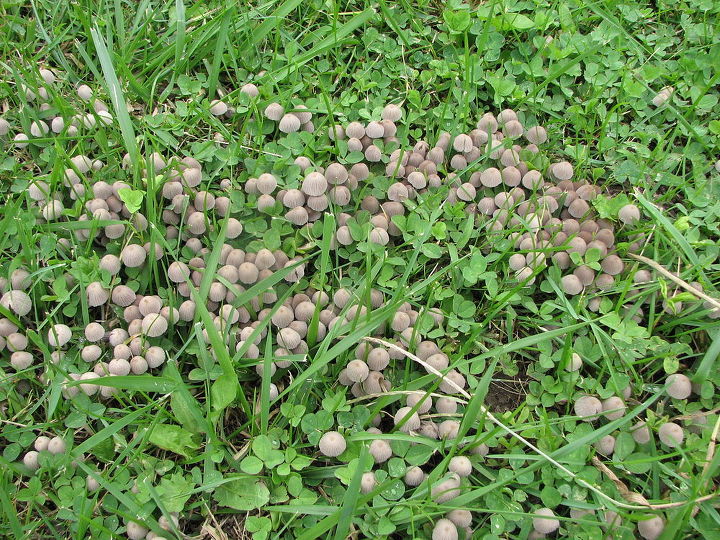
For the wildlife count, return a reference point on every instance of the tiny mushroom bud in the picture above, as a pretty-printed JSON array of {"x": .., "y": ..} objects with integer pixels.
[
  {"x": 414, "y": 476},
  {"x": 368, "y": 482},
  {"x": 30, "y": 460},
  {"x": 289, "y": 123}
]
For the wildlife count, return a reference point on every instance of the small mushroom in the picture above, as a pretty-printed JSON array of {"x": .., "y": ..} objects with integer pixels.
[{"x": 332, "y": 444}]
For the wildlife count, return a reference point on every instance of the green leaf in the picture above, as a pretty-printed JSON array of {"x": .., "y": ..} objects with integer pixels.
[
  {"x": 176, "y": 490},
  {"x": 174, "y": 439},
  {"x": 243, "y": 494},
  {"x": 518, "y": 21},
  {"x": 133, "y": 198},
  {"x": 608, "y": 207},
  {"x": 251, "y": 465},
  {"x": 432, "y": 251},
  {"x": 457, "y": 21},
  {"x": 224, "y": 391}
]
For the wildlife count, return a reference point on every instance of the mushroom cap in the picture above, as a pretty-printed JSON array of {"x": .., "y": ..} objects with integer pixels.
[
  {"x": 640, "y": 433},
  {"x": 460, "y": 465},
  {"x": 491, "y": 177},
  {"x": 154, "y": 325},
  {"x": 374, "y": 130},
  {"x": 30, "y": 460},
  {"x": 571, "y": 284},
  {"x": 444, "y": 530},
  {"x": 588, "y": 407},
  {"x": 605, "y": 445},
  {"x": 414, "y": 476},
  {"x": 562, "y": 170},
  {"x": 288, "y": 338},
  {"x": 368, "y": 482},
  {"x": 59, "y": 335},
  {"x": 412, "y": 421},
  {"x": 357, "y": 370},
  {"x": 289, "y": 123},
  {"x": 336, "y": 173},
  {"x": 536, "y": 135},
  {"x": 392, "y": 112},
  {"x": 545, "y": 522},
  {"x": 135, "y": 531},
  {"x": 332, "y": 444},
  {"x": 283, "y": 317},
  {"x": 41, "y": 443},
  {"x": 671, "y": 434},
  {"x": 614, "y": 404},
  {"x": 133, "y": 255},
  {"x": 274, "y": 112},
  {"x": 678, "y": 386},
  {"x": 17, "y": 301},
  {"x": 56, "y": 445},
  {"x": 218, "y": 108},
  {"x": 612, "y": 265},
  {"x": 96, "y": 294},
  {"x": 380, "y": 450},
  {"x": 314, "y": 184},
  {"x": 652, "y": 528}
]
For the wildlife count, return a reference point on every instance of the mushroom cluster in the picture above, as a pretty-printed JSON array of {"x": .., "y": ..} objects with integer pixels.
[
  {"x": 291, "y": 119},
  {"x": 500, "y": 174}
]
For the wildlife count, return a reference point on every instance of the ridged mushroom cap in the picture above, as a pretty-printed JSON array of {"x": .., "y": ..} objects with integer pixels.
[
  {"x": 154, "y": 325},
  {"x": 274, "y": 112},
  {"x": 289, "y": 123},
  {"x": 133, "y": 255},
  {"x": 17, "y": 301},
  {"x": 461, "y": 466},
  {"x": 59, "y": 335},
  {"x": 332, "y": 444},
  {"x": 588, "y": 407}
]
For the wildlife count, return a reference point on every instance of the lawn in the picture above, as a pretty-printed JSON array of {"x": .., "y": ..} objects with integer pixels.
[{"x": 362, "y": 269}]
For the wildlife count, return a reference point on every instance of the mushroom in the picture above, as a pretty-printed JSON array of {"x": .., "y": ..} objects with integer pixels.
[
  {"x": 444, "y": 530},
  {"x": 367, "y": 482},
  {"x": 56, "y": 446},
  {"x": 678, "y": 386},
  {"x": 412, "y": 421},
  {"x": 651, "y": 529},
  {"x": 460, "y": 465},
  {"x": 544, "y": 521},
  {"x": 414, "y": 476},
  {"x": 671, "y": 434},
  {"x": 332, "y": 444},
  {"x": 588, "y": 407}
]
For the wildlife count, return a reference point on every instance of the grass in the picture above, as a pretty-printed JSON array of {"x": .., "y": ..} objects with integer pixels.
[{"x": 207, "y": 439}]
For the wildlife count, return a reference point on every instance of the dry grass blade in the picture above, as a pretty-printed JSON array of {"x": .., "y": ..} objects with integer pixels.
[{"x": 684, "y": 284}]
